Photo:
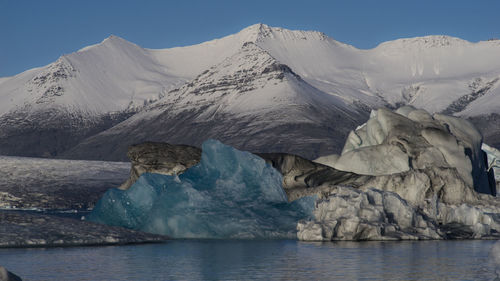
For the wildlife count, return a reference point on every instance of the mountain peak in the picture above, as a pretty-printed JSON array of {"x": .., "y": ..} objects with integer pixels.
[
  {"x": 255, "y": 32},
  {"x": 249, "y": 71},
  {"x": 259, "y": 32},
  {"x": 257, "y": 26},
  {"x": 111, "y": 40}
]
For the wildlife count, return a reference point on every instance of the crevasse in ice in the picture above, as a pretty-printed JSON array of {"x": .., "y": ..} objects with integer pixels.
[{"x": 229, "y": 194}]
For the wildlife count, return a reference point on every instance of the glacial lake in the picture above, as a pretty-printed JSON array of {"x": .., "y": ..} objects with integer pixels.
[{"x": 258, "y": 260}]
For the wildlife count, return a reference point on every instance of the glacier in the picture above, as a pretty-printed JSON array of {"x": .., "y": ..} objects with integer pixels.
[{"x": 229, "y": 194}]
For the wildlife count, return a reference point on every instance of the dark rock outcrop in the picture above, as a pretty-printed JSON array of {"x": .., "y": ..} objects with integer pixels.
[
  {"x": 50, "y": 132},
  {"x": 160, "y": 158}
]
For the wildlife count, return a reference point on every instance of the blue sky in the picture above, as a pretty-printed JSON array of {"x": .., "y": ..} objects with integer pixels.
[{"x": 35, "y": 33}]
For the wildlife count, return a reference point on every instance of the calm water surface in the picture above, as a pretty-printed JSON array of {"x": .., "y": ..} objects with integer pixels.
[{"x": 262, "y": 260}]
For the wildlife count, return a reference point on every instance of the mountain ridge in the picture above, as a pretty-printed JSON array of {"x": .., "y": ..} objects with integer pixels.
[
  {"x": 88, "y": 92},
  {"x": 249, "y": 100}
]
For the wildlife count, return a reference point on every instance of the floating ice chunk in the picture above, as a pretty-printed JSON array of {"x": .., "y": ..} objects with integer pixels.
[{"x": 229, "y": 194}]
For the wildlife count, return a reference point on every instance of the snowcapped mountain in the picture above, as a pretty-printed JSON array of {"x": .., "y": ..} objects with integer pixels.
[
  {"x": 262, "y": 89},
  {"x": 248, "y": 100},
  {"x": 108, "y": 77},
  {"x": 47, "y": 110},
  {"x": 438, "y": 73}
]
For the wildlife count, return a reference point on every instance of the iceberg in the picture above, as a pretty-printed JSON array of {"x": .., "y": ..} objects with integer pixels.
[
  {"x": 228, "y": 194},
  {"x": 428, "y": 177}
]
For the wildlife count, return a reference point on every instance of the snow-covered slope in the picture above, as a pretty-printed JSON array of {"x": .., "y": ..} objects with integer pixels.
[
  {"x": 249, "y": 100},
  {"x": 248, "y": 82},
  {"x": 111, "y": 76},
  {"x": 95, "y": 88},
  {"x": 437, "y": 73},
  {"x": 47, "y": 110},
  {"x": 329, "y": 65}
]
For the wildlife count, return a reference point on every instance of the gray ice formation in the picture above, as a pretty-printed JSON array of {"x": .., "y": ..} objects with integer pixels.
[
  {"x": 410, "y": 139},
  {"x": 430, "y": 180}
]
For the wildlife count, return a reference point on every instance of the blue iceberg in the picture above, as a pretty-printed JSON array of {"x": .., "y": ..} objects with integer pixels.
[{"x": 229, "y": 194}]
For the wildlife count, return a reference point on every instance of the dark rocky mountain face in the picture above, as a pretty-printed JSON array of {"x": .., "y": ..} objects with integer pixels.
[
  {"x": 275, "y": 133},
  {"x": 50, "y": 132}
]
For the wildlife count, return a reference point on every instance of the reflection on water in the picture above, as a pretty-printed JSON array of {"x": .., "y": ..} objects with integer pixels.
[{"x": 264, "y": 260}]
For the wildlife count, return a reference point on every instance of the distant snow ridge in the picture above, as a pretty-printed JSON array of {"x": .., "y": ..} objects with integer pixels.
[
  {"x": 229, "y": 194},
  {"x": 260, "y": 32},
  {"x": 431, "y": 41}
]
